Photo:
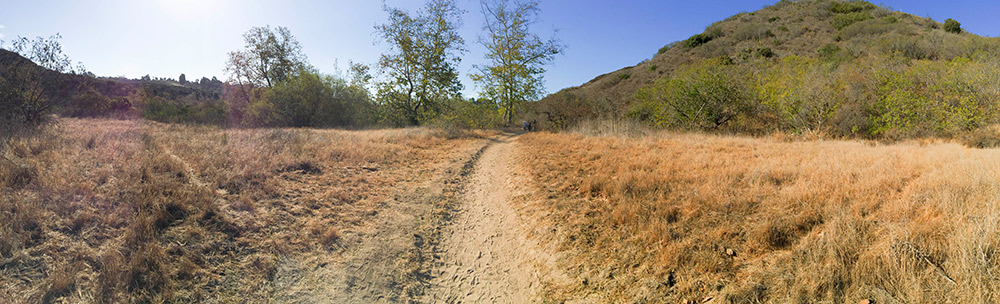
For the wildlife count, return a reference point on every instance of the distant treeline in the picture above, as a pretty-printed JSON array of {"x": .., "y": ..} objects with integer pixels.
[{"x": 271, "y": 83}]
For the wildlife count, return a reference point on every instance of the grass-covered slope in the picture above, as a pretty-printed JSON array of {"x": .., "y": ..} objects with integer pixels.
[{"x": 779, "y": 60}]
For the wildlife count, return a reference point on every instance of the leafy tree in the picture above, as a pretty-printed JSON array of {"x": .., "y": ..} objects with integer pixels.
[
  {"x": 952, "y": 26},
  {"x": 422, "y": 63},
  {"x": 516, "y": 56},
  {"x": 268, "y": 57}
]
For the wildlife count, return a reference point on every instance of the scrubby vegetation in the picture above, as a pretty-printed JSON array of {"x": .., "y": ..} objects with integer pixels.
[{"x": 839, "y": 68}]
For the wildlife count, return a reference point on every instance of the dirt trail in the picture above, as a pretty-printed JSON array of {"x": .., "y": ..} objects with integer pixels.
[
  {"x": 486, "y": 258},
  {"x": 450, "y": 236}
]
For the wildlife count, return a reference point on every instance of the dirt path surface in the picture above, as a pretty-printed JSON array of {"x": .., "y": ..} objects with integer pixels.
[
  {"x": 486, "y": 258},
  {"x": 450, "y": 235}
]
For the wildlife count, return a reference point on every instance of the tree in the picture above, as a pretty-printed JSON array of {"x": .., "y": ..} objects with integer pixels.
[
  {"x": 22, "y": 93},
  {"x": 952, "y": 26},
  {"x": 46, "y": 53},
  {"x": 516, "y": 56},
  {"x": 268, "y": 57},
  {"x": 182, "y": 79},
  {"x": 422, "y": 63}
]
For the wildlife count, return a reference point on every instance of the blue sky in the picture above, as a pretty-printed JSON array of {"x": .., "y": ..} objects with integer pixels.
[{"x": 165, "y": 38}]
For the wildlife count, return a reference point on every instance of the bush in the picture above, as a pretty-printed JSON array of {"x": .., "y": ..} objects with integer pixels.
[
  {"x": 309, "y": 99},
  {"x": 846, "y": 7},
  {"x": 470, "y": 114},
  {"x": 697, "y": 40},
  {"x": 765, "y": 52},
  {"x": 708, "y": 95},
  {"x": 952, "y": 26},
  {"x": 841, "y": 21}
]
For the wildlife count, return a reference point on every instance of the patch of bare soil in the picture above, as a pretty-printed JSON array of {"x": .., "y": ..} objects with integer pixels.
[
  {"x": 388, "y": 259},
  {"x": 486, "y": 256}
]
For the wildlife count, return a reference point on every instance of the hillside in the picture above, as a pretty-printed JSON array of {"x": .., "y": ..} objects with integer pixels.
[
  {"x": 848, "y": 34},
  {"x": 76, "y": 95}
]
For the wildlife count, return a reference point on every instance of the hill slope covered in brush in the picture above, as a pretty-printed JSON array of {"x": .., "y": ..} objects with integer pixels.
[{"x": 846, "y": 68}]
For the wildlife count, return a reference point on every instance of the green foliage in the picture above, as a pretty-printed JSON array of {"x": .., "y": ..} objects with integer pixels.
[
  {"x": 470, "y": 114},
  {"x": 269, "y": 56},
  {"x": 170, "y": 111},
  {"x": 623, "y": 76},
  {"x": 840, "y": 21},
  {"x": 696, "y": 40},
  {"x": 765, "y": 52},
  {"x": 516, "y": 56},
  {"x": 309, "y": 99},
  {"x": 952, "y": 26},
  {"x": 421, "y": 67},
  {"x": 707, "y": 95},
  {"x": 846, "y": 7},
  {"x": 831, "y": 52},
  {"x": 667, "y": 47}
]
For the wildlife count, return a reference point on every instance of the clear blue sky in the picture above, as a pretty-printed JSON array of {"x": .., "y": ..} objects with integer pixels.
[{"x": 165, "y": 38}]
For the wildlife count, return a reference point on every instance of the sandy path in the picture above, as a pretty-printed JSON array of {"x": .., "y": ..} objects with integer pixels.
[{"x": 486, "y": 257}]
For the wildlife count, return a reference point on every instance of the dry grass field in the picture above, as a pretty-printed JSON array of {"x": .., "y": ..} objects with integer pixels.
[
  {"x": 688, "y": 218},
  {"x": 135, "y": 211}
]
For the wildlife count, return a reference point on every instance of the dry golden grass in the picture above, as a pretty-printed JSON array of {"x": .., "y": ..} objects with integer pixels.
[
  {"x": 683, "y": 217},
  {"x": 135, "y": 211}
]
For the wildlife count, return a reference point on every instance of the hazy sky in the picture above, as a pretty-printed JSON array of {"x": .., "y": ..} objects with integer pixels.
[{"x": 165, "y": 38}]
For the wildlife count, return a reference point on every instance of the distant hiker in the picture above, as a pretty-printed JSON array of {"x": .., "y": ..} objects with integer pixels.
[
  {"x": 531, "y": 125},
  {"x": 524, "y": 125}
]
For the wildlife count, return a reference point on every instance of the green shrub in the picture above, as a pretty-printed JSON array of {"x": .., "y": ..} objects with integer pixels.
[
  {"x": 666, "y": 47},
  {"x": 952, "y": 26},
  {"x": 846, "y": 7},
  {"x": 697, "y": 40},
  {"x": 830, "y": 52},
  {"x": 765, "y": 52},
  {"x": 707, "y": 95},
  {"x": 773, "y": 19},
  {"x": 841, "y": 21},
  {"x": 624, "y": 76}
]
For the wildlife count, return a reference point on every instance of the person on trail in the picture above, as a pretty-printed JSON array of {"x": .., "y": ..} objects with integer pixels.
[
  {"x": 531, "y": 125},
  {"x": 524, "y": 125}
]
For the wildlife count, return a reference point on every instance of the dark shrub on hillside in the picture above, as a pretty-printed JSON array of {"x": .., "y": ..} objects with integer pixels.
[
  {"x": 952, "y": 26},
  {"x": 845, "y": 7},
  {"x": 697, "y": 40}
]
